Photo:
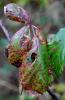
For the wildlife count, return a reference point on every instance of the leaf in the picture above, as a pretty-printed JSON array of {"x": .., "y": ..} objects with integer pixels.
[
  {"x": 43, "y": 55},
  {"x": 60, "y": 37},
  {"x": 16, "y": 13},
  {"x": 43, "y": 60},
  {"x": 57, "y": 52}
]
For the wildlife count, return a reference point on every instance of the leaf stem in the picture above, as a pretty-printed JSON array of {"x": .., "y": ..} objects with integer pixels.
[
  {"x": 5, "y": 30},
  {"x": 53, "y": 95}
]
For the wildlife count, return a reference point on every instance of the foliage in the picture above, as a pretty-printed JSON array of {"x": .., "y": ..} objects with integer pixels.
[
  {"x": 40, "y": 60},
  {"x": 51, "y": 56},
  {"x": 57, "y": 52}
]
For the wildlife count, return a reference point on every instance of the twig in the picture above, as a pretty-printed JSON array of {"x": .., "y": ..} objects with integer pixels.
[
  {"x": 5, "y": 31},
  {"x": 54, "y": 96}
]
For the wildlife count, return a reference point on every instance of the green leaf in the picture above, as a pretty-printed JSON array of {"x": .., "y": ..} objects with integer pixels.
[
  {"x": 43, "y": 60},
  {"x": 57, "y": 52},
  {"x": 60, "y": 37},
  {"x": 43, "y": 55}
]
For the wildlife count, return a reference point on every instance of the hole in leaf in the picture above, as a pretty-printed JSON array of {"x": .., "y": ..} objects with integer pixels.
[{"x": 33, "y": 56}]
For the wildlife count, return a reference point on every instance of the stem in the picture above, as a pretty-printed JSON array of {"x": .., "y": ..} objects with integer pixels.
[
  {"x": 53, "y": 95},
  {"x": 31, "y": 32},
  {"x": 20, "y": 89},
  {"x": 5, "y": 31}
]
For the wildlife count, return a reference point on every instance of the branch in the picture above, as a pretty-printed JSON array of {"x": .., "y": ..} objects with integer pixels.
[
  {"x": 53, "y": 95},
  {"x": 5, "y": 31}
]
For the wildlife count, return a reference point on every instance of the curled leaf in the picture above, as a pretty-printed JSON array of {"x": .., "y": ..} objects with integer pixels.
[{"x": 16, "y": 13}]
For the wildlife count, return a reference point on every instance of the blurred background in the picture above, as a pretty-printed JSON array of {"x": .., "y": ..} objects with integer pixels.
[{"x": 50, "y": 16}]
